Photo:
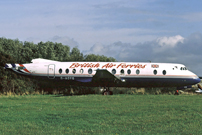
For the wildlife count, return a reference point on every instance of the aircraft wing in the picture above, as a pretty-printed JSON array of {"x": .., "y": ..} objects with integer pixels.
[{"x": 103, "y": 75}]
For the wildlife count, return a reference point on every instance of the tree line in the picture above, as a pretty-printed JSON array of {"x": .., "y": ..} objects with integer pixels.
[{"x": 15, "y": 51}]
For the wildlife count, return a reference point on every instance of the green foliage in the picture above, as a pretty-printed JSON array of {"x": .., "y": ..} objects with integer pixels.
[
  {"x": 101, "y": 58},
  {"x": 76, "y": 55},
  {"x": 15, "y": 51}
]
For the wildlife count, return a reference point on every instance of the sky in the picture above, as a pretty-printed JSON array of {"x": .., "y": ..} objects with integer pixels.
[{"x": 128, "y": 30}]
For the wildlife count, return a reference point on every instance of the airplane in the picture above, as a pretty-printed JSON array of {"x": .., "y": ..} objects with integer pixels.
[{"x": 108, "y": 74}]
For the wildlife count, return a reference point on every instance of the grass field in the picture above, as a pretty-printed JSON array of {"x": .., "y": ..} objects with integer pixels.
[{"x": 97, "y": 114}]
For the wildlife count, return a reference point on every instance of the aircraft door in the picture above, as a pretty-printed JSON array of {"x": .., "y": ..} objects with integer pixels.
[{"x": 51, "y": 71}]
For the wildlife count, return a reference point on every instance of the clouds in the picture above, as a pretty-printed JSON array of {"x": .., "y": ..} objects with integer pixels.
[
  {"x": 65, "y": 41},
  {"x": 91, "y": 21},
  {"x": 170, "y": 41},
  {"x": 193, "y": 17},
  {"x": 175, "y": 49},
  {"x": 128, "y": 30}
]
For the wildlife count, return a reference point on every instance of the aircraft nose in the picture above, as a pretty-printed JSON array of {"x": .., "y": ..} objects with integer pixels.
[{"x": 197, "y": 80}]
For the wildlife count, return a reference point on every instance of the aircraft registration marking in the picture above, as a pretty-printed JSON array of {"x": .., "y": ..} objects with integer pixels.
[{"x": 67, "y": 78}]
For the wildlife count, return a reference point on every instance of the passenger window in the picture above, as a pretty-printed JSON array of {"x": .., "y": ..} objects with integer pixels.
[
  {"x": 122, "y": 72},
  {"x": 74, "y": 71},
  {"x": 129, "y": 71},
  {"x": 137, "y": 71},
  {"x": 90, "y": 71},
  {"x": 155, "y": 72},
  {"x": 67, "y": 71},
  {"x": 81, "y": 71},
  {"x": 60, "y": 70},
  {"x": 113, "y": 71},
  {"x": 164, "y": 72}
]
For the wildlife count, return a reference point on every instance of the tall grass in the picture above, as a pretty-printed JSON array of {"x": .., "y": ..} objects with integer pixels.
[{"x": 96, "y": 90}]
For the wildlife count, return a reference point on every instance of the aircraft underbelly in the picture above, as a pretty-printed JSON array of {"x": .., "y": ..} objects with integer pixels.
[
  {"x": 160, "y": 82},
  {"x": 129, "y": 82}
]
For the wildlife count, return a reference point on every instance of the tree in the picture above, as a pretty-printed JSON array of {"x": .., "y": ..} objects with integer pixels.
[
  {"x": 76, "y": 55},
  {"x": 15, "y": 51},
  {"x": 102, "y": 58}
]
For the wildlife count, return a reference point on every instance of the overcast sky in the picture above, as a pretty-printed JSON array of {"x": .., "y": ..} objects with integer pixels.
[{"x": 128, "y": 30}]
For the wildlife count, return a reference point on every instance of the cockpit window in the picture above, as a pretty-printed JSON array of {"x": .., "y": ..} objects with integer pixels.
[
  {"x": 175, "y": 67},
  {"x": 183, "y": 68}
]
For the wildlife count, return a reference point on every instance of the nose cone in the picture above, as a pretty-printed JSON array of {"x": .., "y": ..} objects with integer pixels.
[{"x": 197, "y": 80}]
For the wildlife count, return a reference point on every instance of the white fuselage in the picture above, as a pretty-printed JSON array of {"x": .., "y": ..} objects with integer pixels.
[{"x": 132, "y": 72}]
